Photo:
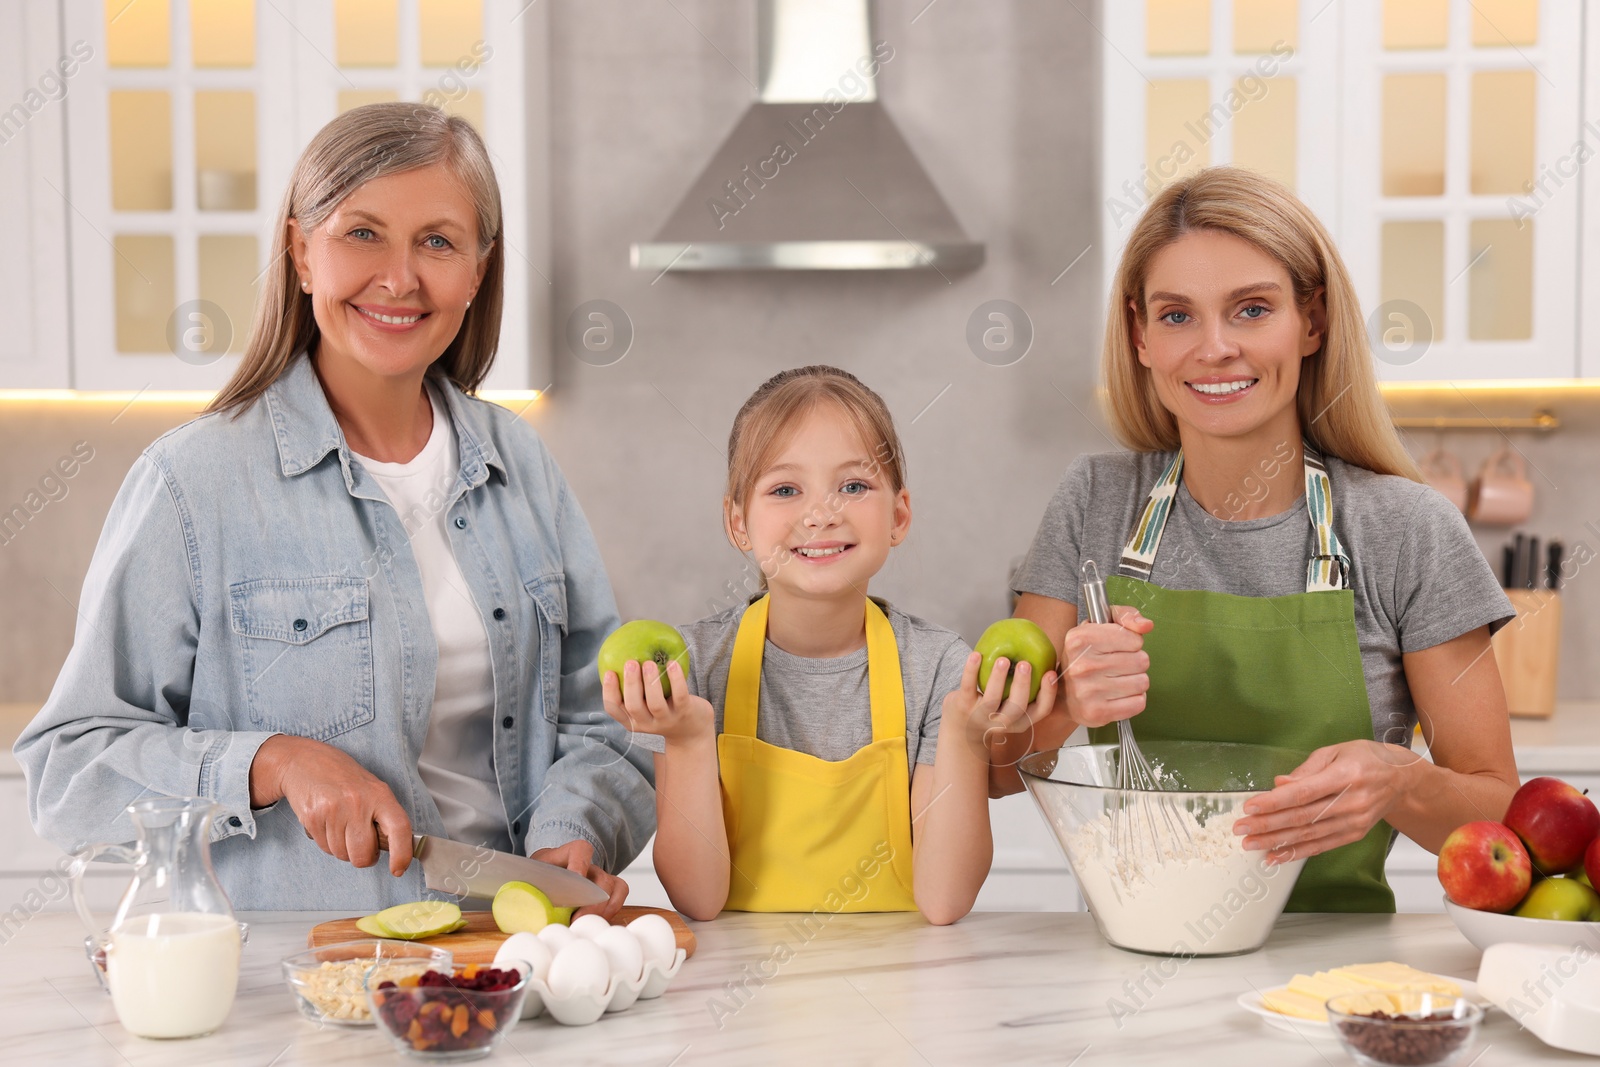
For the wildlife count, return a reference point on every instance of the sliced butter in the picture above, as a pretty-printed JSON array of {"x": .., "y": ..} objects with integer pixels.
[
  {"x": 1325, "y": 984},
  {"x": 1306, "y": 995},
  {"x": 1391, "y": 976},
  {"x": 1299, "y": 1005}
]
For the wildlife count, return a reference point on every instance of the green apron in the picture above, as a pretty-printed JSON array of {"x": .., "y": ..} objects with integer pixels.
[{"x": 1283, "y": 670}]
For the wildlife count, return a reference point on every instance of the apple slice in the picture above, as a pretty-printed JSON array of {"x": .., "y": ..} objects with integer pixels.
[
  {"x": 520, "y": 908},
  {"x": 368, "y": 924},
  {"x": 424, "y": 918}
]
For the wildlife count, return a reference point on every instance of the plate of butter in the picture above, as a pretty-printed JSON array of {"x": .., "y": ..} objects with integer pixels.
[{"x": 1298, "y": 1006}]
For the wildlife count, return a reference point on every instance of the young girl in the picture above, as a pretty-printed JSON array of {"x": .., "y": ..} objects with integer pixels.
[{"x": 782, "y": 774}]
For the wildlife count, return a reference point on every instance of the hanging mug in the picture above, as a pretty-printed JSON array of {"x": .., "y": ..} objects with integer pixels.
[
  {"x": 1502, "y": 495},
  {"x": 1442, "y": 470}
]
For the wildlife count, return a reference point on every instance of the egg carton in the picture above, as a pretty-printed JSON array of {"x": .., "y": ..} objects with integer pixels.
[{"x": 620, "y": 994}]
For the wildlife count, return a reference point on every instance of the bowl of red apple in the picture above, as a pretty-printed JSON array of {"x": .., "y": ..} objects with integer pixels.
[{"x": 1529, "y": 878}]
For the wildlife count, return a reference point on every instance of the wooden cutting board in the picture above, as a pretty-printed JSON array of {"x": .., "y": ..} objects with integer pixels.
[{"x": 481, "y": 938}]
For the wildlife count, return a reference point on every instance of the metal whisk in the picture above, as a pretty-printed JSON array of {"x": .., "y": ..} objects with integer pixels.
[{"x": 1132, "y": 830}]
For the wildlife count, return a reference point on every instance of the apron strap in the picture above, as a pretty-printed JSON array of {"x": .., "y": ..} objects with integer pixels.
[
  {"x": 1328, "y": 568},
  {"x": 884, "y": 683},
  {"x": 744, "y": 671},
  {"x": 884, "y": 686},
  {"x": 1139, "y": 554}
]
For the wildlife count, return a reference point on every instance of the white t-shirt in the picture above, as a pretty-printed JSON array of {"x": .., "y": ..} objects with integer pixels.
[{"x": 457, "y": 761}]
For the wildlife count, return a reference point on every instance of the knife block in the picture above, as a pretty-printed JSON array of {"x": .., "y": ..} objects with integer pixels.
[{"x": 1527, "y": 649}]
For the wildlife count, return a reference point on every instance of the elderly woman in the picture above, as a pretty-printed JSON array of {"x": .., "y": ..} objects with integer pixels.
[{"x": 350, "y": 597}]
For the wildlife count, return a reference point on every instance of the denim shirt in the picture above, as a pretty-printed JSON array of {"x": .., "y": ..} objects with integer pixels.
[{"x": 252, "y": 579}]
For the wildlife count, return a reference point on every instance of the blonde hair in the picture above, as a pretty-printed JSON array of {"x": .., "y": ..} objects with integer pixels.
[
  {"x": 362, "y": 144},
  {"x": 1341, "y": 411},
  {"x": 767, "y": 420}
]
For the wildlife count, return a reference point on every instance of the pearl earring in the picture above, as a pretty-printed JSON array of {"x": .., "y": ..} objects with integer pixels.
[
  {"x": 469, "y": 303},
  {"x": 306, "y": 286}
]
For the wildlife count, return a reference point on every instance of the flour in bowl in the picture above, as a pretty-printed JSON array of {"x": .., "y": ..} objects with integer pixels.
[{"x": 1174, "y": 882}]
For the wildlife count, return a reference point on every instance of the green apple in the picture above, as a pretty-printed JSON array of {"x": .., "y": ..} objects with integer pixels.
[
  {"x": 1017, "y": 640},
  {"x": 521, "y": 908},
  {"x": 424, "y": 918},
  {"x": 642, "y": 640},
  {"x": 1561, "y": 898},
  {"x": 1580, "y": 875}
]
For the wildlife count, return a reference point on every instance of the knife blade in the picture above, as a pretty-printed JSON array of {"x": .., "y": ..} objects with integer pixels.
[{"x": 479, "y": 871}]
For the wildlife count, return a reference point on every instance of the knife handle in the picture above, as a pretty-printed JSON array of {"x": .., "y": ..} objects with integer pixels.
[{"x": 383, "y": 841}]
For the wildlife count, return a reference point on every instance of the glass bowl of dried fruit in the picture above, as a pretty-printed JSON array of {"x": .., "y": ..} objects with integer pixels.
[
  {"x": 1383, "y": 1028},
  {"x": 454, "y": 1013},
  {"x": 329, "y": 983}
]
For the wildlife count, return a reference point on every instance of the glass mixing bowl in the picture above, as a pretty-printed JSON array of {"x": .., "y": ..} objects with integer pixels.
[{"x": 1161, "y": 870}]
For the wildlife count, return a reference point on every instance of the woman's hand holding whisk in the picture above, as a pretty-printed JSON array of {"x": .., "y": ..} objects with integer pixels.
[{"x": 1105, "y": 677}]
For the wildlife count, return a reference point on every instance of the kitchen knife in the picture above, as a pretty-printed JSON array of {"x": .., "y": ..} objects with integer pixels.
[
  {"x": 1508, "y": 566},
  {"x": 479, "y": 871},
  {"x": 1532, "y": 579},
  {"x": 1518, "y": 561},
  {"x": 1552, "y": 573}
]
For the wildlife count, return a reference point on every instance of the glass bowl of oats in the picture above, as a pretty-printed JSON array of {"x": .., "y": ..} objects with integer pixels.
[{"x": 329, "y": 983}]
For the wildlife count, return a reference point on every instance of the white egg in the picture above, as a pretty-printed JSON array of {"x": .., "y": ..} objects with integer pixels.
[
  {"x": 529, "y": 949},
  {"x": 579, "y": 969},
  {"x": 589, "y": 926},
  {"x": 623, "y": 951},
  {"x": 557, "y": 937},
  {"x": 655, "y": 938}
]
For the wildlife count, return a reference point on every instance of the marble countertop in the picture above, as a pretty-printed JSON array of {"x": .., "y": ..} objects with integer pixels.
[{"x": 1004, "y": 988}]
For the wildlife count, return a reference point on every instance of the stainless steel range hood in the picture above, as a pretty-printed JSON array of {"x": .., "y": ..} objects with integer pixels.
[{"x": 815, "y": 176}]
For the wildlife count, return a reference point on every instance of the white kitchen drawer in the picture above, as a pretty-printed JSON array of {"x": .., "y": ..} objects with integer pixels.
[{"x": 21, "y": 850}]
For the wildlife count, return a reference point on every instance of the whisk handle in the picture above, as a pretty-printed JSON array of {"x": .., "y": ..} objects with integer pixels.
[{"x": 1092, "y": 591}]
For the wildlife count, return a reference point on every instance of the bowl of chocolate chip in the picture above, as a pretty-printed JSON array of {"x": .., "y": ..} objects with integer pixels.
[{"x": 1409, "y": 1027}]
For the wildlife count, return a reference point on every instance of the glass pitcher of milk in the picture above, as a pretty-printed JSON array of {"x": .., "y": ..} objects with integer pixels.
[{"x": 171, "y": 954}]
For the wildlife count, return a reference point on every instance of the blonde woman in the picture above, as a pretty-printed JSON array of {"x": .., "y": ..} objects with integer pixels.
[
  {"x": 1283, "y": 575},
  {"x": 351, "y": 597}
]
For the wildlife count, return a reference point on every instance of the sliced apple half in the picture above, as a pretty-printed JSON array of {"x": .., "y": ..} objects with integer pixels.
[{"x": 521, "y": 908}]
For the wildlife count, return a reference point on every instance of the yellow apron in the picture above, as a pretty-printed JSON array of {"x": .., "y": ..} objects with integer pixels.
[{"x": 809, "y": 834}]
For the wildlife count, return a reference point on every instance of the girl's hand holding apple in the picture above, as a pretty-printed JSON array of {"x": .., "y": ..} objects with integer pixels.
[
  {"x": 999, "y": 709},
  {"x": 1105, "y": 678},
  {"x": 637, "y": 701}
]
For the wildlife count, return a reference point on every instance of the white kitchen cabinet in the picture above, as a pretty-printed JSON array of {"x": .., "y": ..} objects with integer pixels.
[
  {"x": 34, "y": 351},
  {"x": 1441, "y": 144},
  {"x": 29, "y": 868},
  {"x": 156, "y": 169}
]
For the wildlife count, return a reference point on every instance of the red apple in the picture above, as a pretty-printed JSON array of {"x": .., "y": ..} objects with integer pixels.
[
  {"x": 1555, "y": 821},
  {"x": 1484, "y": 867},
  {"x": 1591, "y": 861}
]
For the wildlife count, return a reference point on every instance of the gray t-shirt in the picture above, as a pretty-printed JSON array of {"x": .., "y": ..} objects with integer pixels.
[
  {"x": 1418, "y": 576},
  {"x": 822, "y": 706}
]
